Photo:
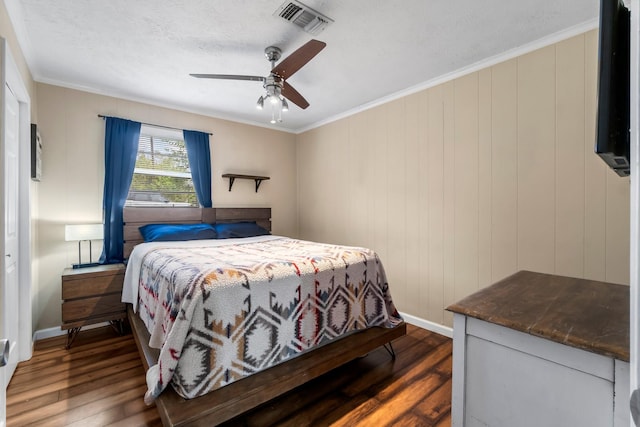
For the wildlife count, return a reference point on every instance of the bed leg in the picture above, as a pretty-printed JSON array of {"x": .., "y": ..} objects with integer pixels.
[
  {"x": 118, "y": 326},
  {"x": 389, "y": 347}
]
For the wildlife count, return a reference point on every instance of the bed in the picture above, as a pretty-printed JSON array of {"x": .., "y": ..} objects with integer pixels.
[{"x": 216, "y": 397}]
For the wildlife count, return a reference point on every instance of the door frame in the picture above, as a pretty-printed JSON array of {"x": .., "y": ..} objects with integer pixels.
[
  {"x": 634, "y": 199},
  {"x": 10, "y": 75}
]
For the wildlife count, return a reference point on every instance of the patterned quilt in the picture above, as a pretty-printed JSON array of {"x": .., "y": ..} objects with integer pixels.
[{"x": 221, "y": 313}]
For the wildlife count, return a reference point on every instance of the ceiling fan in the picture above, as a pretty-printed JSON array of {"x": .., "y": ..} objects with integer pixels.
[{"x": 275, "y": 84}]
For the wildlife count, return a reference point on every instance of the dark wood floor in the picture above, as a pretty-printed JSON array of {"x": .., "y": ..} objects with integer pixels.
[{"x": 100, "y": 382}]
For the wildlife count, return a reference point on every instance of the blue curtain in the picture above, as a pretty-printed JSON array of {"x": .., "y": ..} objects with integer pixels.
[
  {"x": 199, "y": 155},
  {"x": 120, "y": 151}
]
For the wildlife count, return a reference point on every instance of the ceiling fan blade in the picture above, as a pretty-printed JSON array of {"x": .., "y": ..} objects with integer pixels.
[
  {"x": 228, "y": 77},
  {"x": 294, "y": 96},
  {"x": 298, "y": 59}
]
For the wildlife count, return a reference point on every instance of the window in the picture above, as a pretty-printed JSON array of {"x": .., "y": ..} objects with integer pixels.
[{"x": 161, "y": 176}]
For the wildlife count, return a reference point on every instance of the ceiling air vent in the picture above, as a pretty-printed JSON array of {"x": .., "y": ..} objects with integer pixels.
[{"x": 303, "y": 16}]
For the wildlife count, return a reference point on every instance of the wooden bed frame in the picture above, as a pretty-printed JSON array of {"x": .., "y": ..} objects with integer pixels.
[
  {"x": 223, "y": 404},
  {"x": 139, "y": 216}
]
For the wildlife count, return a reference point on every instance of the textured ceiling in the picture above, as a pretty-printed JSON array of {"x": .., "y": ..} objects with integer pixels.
[{"x": 145, "y": 49}]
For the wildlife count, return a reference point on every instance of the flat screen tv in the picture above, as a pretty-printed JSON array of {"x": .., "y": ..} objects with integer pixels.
[{"x": 612, "y": 135}]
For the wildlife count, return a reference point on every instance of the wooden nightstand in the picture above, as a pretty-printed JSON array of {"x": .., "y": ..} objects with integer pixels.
[{"x": 92, "y": 295}]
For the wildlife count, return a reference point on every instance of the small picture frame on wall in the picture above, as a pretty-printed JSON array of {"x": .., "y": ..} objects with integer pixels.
[{"x": 36, "y": 153}]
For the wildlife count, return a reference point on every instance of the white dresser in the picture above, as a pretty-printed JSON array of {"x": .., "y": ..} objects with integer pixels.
[{"x": 542, "y": 350}]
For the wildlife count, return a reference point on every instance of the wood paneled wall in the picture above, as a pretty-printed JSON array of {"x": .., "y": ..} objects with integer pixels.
[{"x": 467, "y": 182}]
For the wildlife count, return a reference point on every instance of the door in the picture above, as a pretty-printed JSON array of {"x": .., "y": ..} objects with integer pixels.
[{"x": 10, "y": 293}]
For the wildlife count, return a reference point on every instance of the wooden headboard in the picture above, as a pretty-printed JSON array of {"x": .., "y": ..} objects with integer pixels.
[{"x": 135, "y": 217}]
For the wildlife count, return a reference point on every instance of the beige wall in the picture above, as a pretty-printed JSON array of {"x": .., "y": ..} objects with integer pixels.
[
  {"x": 73, "y": 173},
  {"x": 467, "y": 182}
]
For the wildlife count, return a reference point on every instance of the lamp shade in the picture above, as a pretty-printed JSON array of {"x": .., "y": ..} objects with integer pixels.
[{"x": 83, "y": 232}]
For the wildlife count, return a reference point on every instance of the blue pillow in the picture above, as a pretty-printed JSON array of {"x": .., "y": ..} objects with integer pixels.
[
  {"x": 175, "y": 232},
  {"x": 239, "y": 229}
]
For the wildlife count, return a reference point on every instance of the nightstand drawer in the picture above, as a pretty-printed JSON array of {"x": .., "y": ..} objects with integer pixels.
[
  {"x": 92, "y": 307},
  {"x": 73, "y": 288}
]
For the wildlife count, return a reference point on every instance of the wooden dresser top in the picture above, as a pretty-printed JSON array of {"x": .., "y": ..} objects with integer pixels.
[{"x": 586, "y": 314}]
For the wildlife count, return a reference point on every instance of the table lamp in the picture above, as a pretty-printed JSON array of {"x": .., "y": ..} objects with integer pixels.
[{"x": 80, "y": 233}]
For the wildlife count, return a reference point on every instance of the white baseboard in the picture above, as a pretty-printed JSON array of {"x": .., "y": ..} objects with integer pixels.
[
  {"x": 42, "y": 334},
  {"x": 428, "y": 325}
]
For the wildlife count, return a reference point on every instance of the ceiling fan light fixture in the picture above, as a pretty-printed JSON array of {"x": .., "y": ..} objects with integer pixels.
[{"x": 274, "y": 84}]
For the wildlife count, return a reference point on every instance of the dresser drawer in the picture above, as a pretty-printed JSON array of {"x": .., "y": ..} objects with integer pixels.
[{"x": 73, "y": 288}]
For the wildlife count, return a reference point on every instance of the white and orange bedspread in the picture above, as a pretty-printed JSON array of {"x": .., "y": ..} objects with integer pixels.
[{"x": 220, "y": 310}]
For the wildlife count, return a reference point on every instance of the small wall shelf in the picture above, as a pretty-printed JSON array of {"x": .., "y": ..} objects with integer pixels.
[{"x": 232, "y": 177}]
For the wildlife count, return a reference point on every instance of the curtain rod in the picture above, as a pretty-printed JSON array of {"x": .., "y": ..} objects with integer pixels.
[{"x": 151, "y": 124}]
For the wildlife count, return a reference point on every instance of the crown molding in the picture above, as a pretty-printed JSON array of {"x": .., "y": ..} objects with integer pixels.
[{"x": 485, "y": 63}]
